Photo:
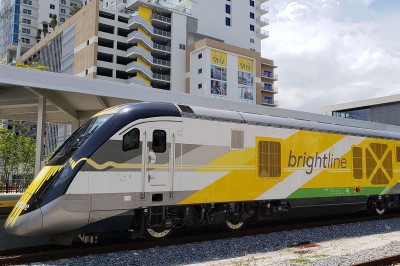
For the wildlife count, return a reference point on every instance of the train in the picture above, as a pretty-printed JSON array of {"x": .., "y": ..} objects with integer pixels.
[{"x": 150, "y": 168}]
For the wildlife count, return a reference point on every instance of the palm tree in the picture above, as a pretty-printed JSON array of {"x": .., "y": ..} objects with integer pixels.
[{"x": 53, "y": 22}]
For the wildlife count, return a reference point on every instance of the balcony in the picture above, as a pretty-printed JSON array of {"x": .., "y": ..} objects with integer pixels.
[
  {"x": 262, "y": 9},
  {"x": 160, "y": 62},
  {"x": 160, "y": 77},
  {"x": 262, "y": 33},
  {"x": 269, "y": 88},
  {"x": 161, "y": 18},
  {"x": 270, "y": 102},
  {"x": 162, "y": 48},
  {"x": 269, "y": 75},
  {"x": 162, "y": 33},
  {"x": 163, "y": 4},
  {"x": 262, "y": 21}
]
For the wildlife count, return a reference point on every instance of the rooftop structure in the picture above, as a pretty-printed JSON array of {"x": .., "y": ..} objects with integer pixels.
[{"x": 184, "y": 46}]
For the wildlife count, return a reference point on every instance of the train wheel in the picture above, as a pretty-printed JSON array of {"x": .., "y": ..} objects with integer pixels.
[
  {"x": 233, "y": 225},
  {"x": 379, "y": 211},
  {"x": 157, "y": 233}
]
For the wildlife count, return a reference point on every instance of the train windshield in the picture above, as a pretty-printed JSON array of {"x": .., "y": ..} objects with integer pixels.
[{"x": 81, "y": 135}]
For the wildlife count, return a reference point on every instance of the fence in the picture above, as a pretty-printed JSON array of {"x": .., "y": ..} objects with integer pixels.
[{"x": 17, "y": 186}]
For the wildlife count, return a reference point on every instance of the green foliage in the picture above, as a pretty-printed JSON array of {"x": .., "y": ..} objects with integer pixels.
[
  {"x": 53, "y": 22},
  {"x": 33, "y": 65},
  {"x": 38, "y": 35},
  {"x": 17, "y": 156},
  {"x": 45, "y": 28},
  {"x": 73, "y": 10}
]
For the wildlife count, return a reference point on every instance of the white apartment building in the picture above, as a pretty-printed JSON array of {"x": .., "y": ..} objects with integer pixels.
[
  {"x": 21, "y": 19},
  {"x": 209, "y": 47}
]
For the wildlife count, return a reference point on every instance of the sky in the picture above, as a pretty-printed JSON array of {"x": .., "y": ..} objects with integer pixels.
[{"x": 331, "y": 52}]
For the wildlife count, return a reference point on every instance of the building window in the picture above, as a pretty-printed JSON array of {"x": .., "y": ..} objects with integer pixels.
[
  {"x": 251, "y": 3},
  {"x": 25, "y": 40},
  {"x": 62, "y": 11},
  {"x": 27, "y": 11},
  {"x": 251, "y": 40},
  {"x": 26, "y": 31},
  {"x": 62, "y": 20},
  {"x": 251, "y": 27},
  {"x": 228, "y": 9},
  {"x": 199, "y": 71},
  {"x": 52, "y": 6},
  {"x": 200, "y": 86},
  {"x": 252, "y": 49},
  {"x": 252, "y": 15},
  {"x": 200, "y": 56},
  {"x": 26, "y": 21},
  {"x": 182, "y": 46},
  {"x": 63, "y": 2},
  {"x": 50, "y": 15},
  {"x": 228, "y": 21}
]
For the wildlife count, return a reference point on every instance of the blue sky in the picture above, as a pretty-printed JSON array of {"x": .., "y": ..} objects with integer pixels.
[{"x": 330, "y": 52}]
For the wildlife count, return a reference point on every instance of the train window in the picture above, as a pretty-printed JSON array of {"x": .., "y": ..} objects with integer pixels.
[
  {"x": 131, "y": 140},
  {"x": 159, "y": 141},
  {"x": 357, "y": 163},
  {"x": 269, "y": 159}
]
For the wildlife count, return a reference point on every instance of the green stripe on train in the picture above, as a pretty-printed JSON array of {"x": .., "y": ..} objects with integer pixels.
[{"x": 334, "y": 192}]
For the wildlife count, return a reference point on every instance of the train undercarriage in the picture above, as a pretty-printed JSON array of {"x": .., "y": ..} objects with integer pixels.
[{"x": 158, "y": 222}]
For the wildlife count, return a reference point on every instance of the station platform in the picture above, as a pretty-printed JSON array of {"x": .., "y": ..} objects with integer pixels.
[{"x": 8, "y": 201}]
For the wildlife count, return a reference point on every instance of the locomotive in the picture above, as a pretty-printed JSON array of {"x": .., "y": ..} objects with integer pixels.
[{"x": 149, "y": 168}]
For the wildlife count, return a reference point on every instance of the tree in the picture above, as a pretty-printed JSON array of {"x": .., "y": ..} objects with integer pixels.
[
  {"x": 17, "y": 157},
  {"x": 39, "y": 35},
  {"x": 8, "y": 158},
  {"x": 45, "y": 28},
  {"x": 74, "y": 9},
  {"x": 33, "y": 65},
  {"x": 53, "y": 22}
]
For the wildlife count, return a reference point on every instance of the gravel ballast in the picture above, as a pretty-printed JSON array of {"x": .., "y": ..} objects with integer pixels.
[{"x": 334, "y": 245}]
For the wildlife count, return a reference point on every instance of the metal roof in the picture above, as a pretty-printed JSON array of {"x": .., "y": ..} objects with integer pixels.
[{"x": 70, "y": 98}]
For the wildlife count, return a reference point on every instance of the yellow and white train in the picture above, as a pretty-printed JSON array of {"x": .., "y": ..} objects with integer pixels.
[{"x": 148, "y": 168}]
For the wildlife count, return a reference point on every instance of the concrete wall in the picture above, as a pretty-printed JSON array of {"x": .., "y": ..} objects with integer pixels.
[{"x": 178, "y": 62}]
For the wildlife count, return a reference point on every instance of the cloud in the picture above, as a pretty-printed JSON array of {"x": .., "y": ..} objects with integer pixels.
[{"x": 324, "y": 56}]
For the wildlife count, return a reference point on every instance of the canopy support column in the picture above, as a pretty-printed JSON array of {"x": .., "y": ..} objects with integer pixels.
[{"x": 40, "y": 133}]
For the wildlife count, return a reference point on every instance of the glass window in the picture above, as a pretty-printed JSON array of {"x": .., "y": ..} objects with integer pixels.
[
  {"x": 52, "y": 6},
  {"x": 131, "y": 140},
  {"x": 251, "y": 3},
  {"x": 251, "y": 27},
  {"x": 199, "y": 71},
  {"x": 62, "y": 11},
  {"x": 200, "y": 56},
  {"x": 252, "y": 15},
  {"x": 159, "y": 141},
  {"x": 228, "y": 9},
  {"x": 227, "y": 21}
]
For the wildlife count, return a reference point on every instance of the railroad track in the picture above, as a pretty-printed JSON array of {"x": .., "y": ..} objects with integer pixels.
[
  {"x": 52, "y": 252},
  {"x": 391, "y": 260}
]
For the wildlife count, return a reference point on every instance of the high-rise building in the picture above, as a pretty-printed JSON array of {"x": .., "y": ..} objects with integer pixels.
[
  {"x": 20, "y": 21},
  {"x": 210, "y": 48}
]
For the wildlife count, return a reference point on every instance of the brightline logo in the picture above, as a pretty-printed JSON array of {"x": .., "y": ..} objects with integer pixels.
[{"x": 316, "y": 161}]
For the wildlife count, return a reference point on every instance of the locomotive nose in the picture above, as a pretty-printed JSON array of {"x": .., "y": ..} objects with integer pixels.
[{"x": 28, "y": 224}]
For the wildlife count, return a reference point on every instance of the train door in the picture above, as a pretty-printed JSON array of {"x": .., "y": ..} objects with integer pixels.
[{"x": 161, "y": 147}]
